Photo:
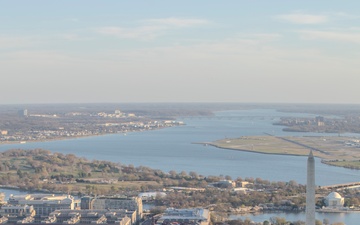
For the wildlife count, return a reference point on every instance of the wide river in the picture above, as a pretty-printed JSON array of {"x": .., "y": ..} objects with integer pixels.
[{"x": 173, "y": 149}]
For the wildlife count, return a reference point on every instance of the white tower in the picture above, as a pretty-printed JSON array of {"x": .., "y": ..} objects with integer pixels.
[{"x": 310, "y": 191}]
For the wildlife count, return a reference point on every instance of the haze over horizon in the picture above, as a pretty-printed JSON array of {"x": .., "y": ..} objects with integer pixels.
[{"x": 179, "y": 51}]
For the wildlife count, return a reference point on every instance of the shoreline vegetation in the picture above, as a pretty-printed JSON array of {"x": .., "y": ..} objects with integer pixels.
[
  {"x": 335, "y": 151},
  {"x": 58, "y": 134},
  {"x": 43, "y": 171},
  {"x": 53, "y": 139},
  {"x": 65, "y": 138}
]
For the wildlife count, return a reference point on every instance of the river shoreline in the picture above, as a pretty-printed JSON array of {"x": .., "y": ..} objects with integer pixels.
[
  {"x": 74, "y": 138},
  {"x": 53, "y": 139},
  {"x": 324, "y": 161},
  {"x": 244, "y": 150}
]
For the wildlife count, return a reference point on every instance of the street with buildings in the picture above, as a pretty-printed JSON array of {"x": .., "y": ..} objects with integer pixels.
[{"x": 65, "y": 209}]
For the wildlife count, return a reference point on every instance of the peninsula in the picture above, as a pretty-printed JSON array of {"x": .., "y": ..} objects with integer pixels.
[{"x": 46, "y": 123}]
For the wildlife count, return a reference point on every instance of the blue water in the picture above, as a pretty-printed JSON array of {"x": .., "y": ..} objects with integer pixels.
[
  {"x": 9, "y": 192},
  {"x": 173, "y": 149}
]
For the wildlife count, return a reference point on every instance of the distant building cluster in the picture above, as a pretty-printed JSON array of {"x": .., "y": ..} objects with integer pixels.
[
  {"x": 117, "y": 114},
  {"x": 352, "y": 143},
  {"x": 65, "y": 209},
  {"x": 320, "y": 121},
  {"x": 23, "y": 113},
  {"x": 80, "y": 124},
  {"x": 346, "y": 124},
  {"x": 317, "y": 121}
]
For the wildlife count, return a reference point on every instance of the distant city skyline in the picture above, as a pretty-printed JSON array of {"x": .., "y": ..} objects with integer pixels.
[{"x": 179, "y": 51}]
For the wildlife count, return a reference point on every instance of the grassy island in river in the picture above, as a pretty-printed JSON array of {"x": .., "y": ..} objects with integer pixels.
[{"x": 337, "y": 151}]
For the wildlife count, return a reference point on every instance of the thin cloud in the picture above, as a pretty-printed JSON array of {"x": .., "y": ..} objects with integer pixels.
[
  {"x": 143, "y": 32},
  {"x": 349, "y": 37},
  {"x": 74, "y": 37},
  {"x": 344, "y": 15},
  {"x": 150, "y": 28},
  {"x": 178, "y": 22},
  {"x": 300, "y": 18},
  {"x": 75, "y": 20},
  {"x": 17, "y": 42},
  {"x": 263, "y": 37}
]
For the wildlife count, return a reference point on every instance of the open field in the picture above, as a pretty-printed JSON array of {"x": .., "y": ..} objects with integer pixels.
[
  {"x": 263, "y": 144},
  {"x": 339, "y": 151}
]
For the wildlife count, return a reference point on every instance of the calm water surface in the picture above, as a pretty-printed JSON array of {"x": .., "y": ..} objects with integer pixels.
[{"x": 173, "y": 149}]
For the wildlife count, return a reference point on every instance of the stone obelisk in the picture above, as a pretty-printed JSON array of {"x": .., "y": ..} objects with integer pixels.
[{"x": 310, "y": 190}]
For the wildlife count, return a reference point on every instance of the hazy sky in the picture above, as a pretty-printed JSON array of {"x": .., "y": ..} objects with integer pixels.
[{"x": 179, "y": 51}]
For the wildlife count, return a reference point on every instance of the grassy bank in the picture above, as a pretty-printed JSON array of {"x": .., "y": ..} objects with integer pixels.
[{"x": 339, "y": 151}]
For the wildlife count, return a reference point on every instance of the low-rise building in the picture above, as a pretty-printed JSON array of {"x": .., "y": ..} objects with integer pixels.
[
  {"x": 224, "y": 184},
  {"x": 17, "y": 213},
  {"x": 104, "y": 216},
  {"x": 119, "y": 202},
  {"x": 243, "y": 183},
  {"x": 132, "y": 205},
  {"x": 44, "y": 204},
  {"x": 148, "y": 196},
  {"x": 195, "y": 216}
]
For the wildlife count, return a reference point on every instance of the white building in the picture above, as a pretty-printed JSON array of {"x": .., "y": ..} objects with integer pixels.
[
  {"x": 195, "y": 216},
  {"x": 146, "y": 196},
  {"x": 44, "y": 204},
  {"x": 334, "y": 200}
]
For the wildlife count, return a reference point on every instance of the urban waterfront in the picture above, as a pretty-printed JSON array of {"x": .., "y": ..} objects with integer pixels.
[
  {"x": 174, "y": 149},
  {"x": 347, "y": 218}
]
